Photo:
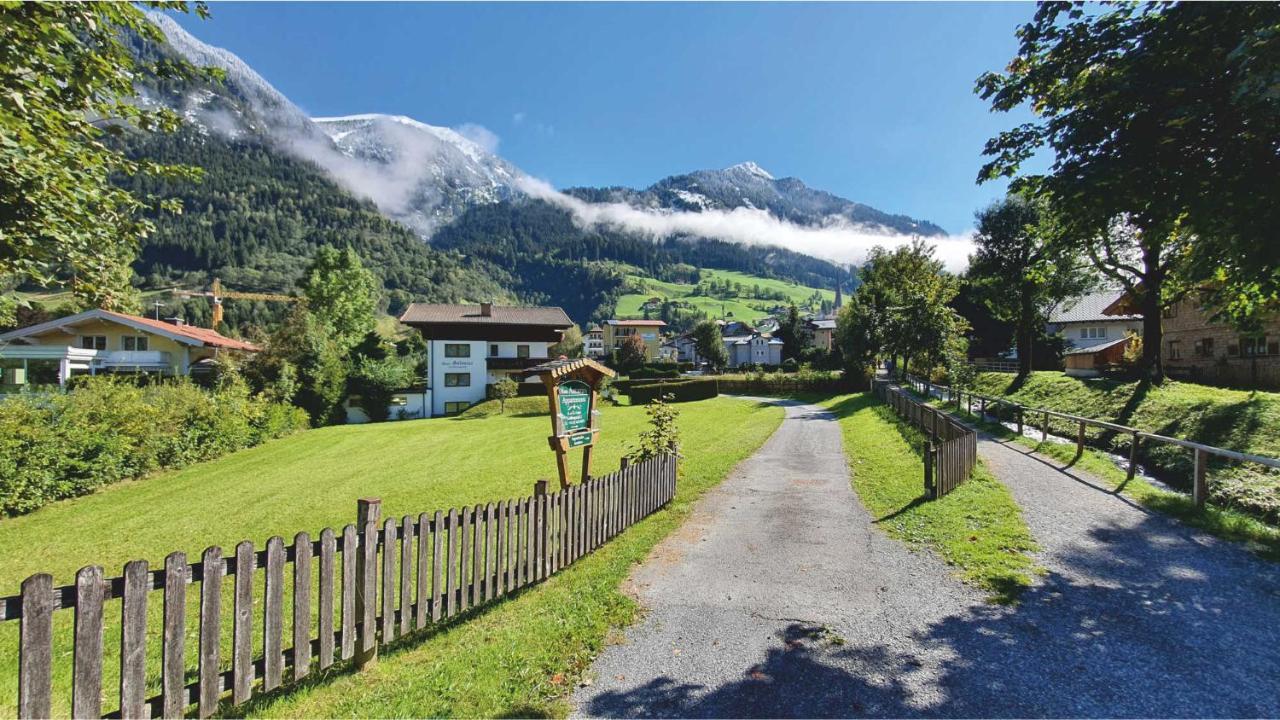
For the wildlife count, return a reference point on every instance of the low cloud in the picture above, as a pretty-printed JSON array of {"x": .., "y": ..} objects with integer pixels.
[
  {"x": 480, "y": 135},
  {"x": 838, "y": 241}
]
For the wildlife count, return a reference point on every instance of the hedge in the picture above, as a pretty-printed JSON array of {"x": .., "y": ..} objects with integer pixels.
[
  {"x": 60, "y": 445},
  {"x": 680, "y": 390},
  {"x": 653, "y": 373}
]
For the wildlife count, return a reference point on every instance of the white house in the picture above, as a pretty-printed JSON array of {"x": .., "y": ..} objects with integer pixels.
[
  {"x": 754, "y": 349},
  {"x": 593, "y": 342},
  {"x": 101, "y": 341},
  {"x": 1082, "y": 323},
  {"x": 470, "y": 347}
]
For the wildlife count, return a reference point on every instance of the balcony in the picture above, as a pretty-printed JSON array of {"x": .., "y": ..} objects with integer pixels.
[
  {"x": 127, "y": 359},
  {"x": 513, "y": 363}
]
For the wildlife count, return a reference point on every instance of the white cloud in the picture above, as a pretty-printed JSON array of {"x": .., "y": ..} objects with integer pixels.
[
  {"x": 838, "y": 240},
  {"x": 480, "y": 135}
]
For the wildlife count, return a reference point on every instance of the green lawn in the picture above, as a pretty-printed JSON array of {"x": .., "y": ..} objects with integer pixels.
[
  {"x": 503, "y": 661},
  {"x": 1246, "y": 421},
  {"x": 1262, "y": 538},
  {"x": 977, "y": 528},
  {"x": 742, "y": 308}
]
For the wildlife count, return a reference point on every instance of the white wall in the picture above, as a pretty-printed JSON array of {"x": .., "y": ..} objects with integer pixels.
[
  {"x": 474, "y": 366},
  {"x": 406, "y": 406}
]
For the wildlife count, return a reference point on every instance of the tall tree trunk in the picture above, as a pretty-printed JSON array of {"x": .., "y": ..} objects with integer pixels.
[
  {"x": 1152, "y": 310},
  {"x": 1026, "y": 328}
]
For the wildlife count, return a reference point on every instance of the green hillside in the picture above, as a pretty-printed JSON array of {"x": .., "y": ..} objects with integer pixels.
[{"x": 722, "y": 294}]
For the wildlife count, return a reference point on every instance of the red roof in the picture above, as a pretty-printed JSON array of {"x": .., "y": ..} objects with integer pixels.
[{"x": 206, "y": 336}]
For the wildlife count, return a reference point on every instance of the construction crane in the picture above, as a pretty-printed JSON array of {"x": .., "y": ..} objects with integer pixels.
[{"x": 216, "y": 294}]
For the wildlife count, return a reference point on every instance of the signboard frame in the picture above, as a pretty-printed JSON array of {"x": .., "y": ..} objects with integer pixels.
[{"x": 578, "y": 427}]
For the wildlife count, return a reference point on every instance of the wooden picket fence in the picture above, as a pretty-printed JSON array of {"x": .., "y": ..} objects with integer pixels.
[
  {"x": 448, "y": 562},
  {"x": 950, "y": 447}
]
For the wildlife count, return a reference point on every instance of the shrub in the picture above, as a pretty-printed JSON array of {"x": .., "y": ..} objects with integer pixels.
[
  {"x": 61, "y": 445},
  {"x": 663, "y": 435},
  {"x": 650, "y": 372},
  {"x": 675, "y": 390}
]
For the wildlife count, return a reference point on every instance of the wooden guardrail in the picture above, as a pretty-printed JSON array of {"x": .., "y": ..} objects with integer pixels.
[
  {"x": 1200, "y": 451},
  {"x": 950, "y": 448},
  {"x": 448, "y": 562}
]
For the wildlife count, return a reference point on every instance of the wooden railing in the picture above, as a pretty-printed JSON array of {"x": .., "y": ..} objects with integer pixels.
[
  {"x": 950, "y": 449},
  {"x": 448, "y": 562},
  {"x": 986, "y": 403}
]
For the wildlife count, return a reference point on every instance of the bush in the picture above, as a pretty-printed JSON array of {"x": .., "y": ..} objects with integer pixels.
[
  {"x": 650, "y": 372},
  {"x": 61, "y": 445},
  {"x": 678, "y": 390}
]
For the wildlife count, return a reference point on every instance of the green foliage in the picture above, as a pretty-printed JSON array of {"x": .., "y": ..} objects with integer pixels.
[
  {"x": 663, "y": 435},
  {"x": 632, "y": 353},
  {"x": 1160, "y": 117},
  {"x": 66, "y": 444},
  {"x": 685, "y": 390},
  {"x": 570, "y": 344},
  {"x": 710, "y": 344},
  {"x": 375, "y": 380},
  {"x": 302, "y": 364},
  {"x": 340, "y": 293},
  {"x": 502, "y": 391},
  {"x": 793, "y": 334},
  {"x": 1020, "y": 273},
  {"x": 66, "y": 87}
]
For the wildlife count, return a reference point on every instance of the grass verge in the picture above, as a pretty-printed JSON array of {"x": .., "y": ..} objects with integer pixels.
[
  {"x": 1260, "y": 537},
  {"x": 503, "y": 661},
  {"x": 977, "y": 528}
]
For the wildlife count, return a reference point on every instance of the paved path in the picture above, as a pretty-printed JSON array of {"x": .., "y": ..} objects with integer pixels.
[{"x": 779, "y": 597}]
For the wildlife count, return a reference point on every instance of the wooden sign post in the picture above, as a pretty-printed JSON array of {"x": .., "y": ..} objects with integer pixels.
[{"x": 572, "y": 391}]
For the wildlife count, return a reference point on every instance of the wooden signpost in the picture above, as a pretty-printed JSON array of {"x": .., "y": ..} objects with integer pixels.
[{"x": 572, "y": 391}]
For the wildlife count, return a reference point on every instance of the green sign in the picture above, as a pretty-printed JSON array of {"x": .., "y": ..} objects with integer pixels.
[
  {"x": 580, "y": 439},
  {"x": 575, "y": 406}
]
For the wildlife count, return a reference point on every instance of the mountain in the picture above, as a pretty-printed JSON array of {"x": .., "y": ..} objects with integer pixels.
[
  {"x": 426, "y": 175},
  {"x": 747, "y": 185}
]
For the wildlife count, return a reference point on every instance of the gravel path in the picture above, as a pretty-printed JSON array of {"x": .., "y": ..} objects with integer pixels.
[{"x": 779, "y": 597}]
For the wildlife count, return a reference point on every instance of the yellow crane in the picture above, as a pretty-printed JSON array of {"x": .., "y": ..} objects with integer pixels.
[{"x": 216, "y": 293}]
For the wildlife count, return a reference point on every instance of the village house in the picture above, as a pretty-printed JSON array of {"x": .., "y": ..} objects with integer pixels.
[
  {"x": 1198, "y": 349},
  {"x": 470, "y": 347},
  {"x": 101, "y": 341},
  {"x": 593, "y": 342},
  {"x": 753, "y": 349},
  {"x": 824, "y": 332},
  {"x": 1092, "y": 339},
  {"x": 650, "y": 331}
]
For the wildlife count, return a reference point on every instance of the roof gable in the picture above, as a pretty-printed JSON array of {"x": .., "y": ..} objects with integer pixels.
[
  {"x": 186, "y": 334},
  {"x": 425, "y": 313}
]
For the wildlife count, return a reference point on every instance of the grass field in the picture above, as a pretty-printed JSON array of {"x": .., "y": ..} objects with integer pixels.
[
  {"x": 505, "y": 660},
  {"x": 977, "y": 528},
  {"x": 742, "y": 308}
]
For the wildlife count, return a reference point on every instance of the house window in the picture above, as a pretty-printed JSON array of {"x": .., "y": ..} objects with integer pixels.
[
  {"x": 1170, "y": 312},
  {"x": 1252, "y": 346},
  {"x": 93, "y": 342},
  {"x": 522, "y": 351},
  {"x": 1204, "y": 347},
  {"x": 457, "y": 379},
  {"x": 453, "y": 408},
  {"x": 1175, "y": 349},
  {"x": 457, "y": 350},
  {"x": 493, "y": 350},
  {"x": 1092, "y": 333},
  {"x": 134, "y": 342}
]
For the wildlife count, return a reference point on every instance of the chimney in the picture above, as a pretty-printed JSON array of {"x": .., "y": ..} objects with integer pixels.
[
  {"x": 175, "y": 320},
  {"x": 486, "y": 309}
]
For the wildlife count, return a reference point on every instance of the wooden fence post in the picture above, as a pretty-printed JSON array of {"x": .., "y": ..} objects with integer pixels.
[
  {"x": 1079, "y": 441},
  {"x": 35, "y": 648},
  {"x": 1044, "y": 429},
  {"x": 930, "y": 487},
  {"x": 86, "y": 690},
  {"x": 1018, "y": 411},
  {"x": 1133, "y": 458},
  {"x": 368, "y": 513},
  {"x": 1200, "y": 487}
]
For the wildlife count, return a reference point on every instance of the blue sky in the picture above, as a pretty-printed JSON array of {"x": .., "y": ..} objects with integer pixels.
[{"x": 873, "y": 102}]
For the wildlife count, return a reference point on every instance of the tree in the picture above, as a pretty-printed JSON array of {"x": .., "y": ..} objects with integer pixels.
[
  {"x": 858, "y": 332},
  {"x": 793, "y": 333},
  {"x": 662, "y": 437},
  {"x": 632, "y": 354},
  {"x": 341, "y": 294},
  {"x": 710, "y": 344},
  {"x": 502, "y": 391},
  {"x": 1019, "y": 271},
  {"x": 302, "y": 363},
  {"x": 1163, "y": 124},
  {"x": 67, "y": 87},
  {"x": 570, "y": 344}
]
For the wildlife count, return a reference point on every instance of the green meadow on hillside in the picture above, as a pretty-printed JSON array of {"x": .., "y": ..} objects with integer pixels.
[{"x": 743, "y": 307}]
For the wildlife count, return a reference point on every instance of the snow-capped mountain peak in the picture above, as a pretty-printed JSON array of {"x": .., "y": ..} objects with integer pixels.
[{"x": 751, "y": 169}]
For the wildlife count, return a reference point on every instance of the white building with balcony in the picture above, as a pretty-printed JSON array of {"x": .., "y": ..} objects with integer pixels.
[
  {"x": 101, "y": 341},
  {"x": 470, "y": 347}
]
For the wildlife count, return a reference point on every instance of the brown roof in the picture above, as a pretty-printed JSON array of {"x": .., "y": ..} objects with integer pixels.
[
  {"x": 209, "y": 337},
  {"x": 422, "y": 313}
]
